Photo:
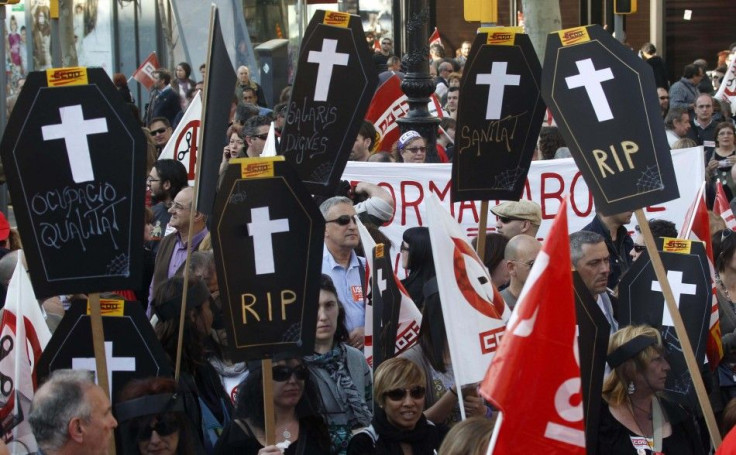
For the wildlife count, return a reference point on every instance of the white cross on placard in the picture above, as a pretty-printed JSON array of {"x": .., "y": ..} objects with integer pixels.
[
  {"x": 113, "y": 364},
  {"x": 261, "y": 228},
  {"x": 496, "y": 80},
  {"x": 678, "y": 288},
  {"x": 74, "y": 129},
  {"x": 592, "y": 80},
  {"x": 326, "y": 59}
]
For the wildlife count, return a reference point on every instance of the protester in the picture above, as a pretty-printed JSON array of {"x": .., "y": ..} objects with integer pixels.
[
  {"x": 416, "y": 257},
  {"x": 340, "y": 371},
  {"x": 469, "y": 437},
  {"x": 197, "y": 375},
  {"x": 398, "y": 421},
  {"x": 244, "y": 81},
  {"x": 153, "y": 419},
  {"x": 432, "y": 355},
  {"x": 720, "y": 166},
  {"x": 618, "y": 242},
  {"x": 520, "y": 254},
  {"x": 634, "y": 406},
  {"x": 182, "y": 82},
  {"x": 234, "y": 149},
  {"x": 412, "y": 148},
  {"x": 590, "y": 260},
  {"x": 724, "y": 250},
  {"x": 518, "y": 217},
  {"x": 549, "y": 141},
  {"x": 165, "y": 180},
  {"x": 659, "y": 228},
  {"x": 300, "y": 430},
  {"x": 71, "y": 415},
  {"x": 494, "y": 259}
]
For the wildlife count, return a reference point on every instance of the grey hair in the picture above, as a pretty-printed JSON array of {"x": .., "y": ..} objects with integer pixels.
[
  {"x": 202, "y": 264},
  {"x": 331, "y": 202},
  {"x": 56, "y": 403},
  {"x": 580, "y": 238},
  {"x": 675, "y": 113}
]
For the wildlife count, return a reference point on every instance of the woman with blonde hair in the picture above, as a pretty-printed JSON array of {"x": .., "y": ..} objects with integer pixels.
[
  {"x": 469, "y": 437},
  {"x": 635, "y": 416}
]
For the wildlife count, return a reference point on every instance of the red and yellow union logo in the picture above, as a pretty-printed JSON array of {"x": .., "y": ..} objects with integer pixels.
[
  {"x": 60, "y": 77},
  {"x": 574, "y": 36},
  {"x": 336, "y": 18}
]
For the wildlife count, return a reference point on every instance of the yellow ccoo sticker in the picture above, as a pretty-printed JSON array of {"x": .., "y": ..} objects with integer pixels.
[
  {"x": 336, "y": 18},
  {"x": 575, "y": 35},
  {"x": 61, "y": 77}
]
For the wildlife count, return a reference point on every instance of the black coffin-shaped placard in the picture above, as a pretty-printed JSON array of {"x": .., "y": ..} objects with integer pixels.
[
  {"x": 131, "y": 347},
  {"x": 334, "y": 85},
  {"x": 604, "y": 100},
  {"x": 75, "y": 162},
  {"x": 268, "y": 239},
  {"x": 499, "y": 117},
  {"x": 641, "y": 301},
  {"x": 386, "y": 307}
]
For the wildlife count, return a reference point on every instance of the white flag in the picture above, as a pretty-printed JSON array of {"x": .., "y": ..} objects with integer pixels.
[{"x": 182, "y": 145}]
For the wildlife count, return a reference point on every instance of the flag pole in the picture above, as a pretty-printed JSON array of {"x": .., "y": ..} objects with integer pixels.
[
  {"x": 268, "y": 411},
  {"x": 494, "y": 435},
  {"x": 481, "y": 250},
  {"x": 98, "y": 344},
  {"x": 687, "y": 349}
]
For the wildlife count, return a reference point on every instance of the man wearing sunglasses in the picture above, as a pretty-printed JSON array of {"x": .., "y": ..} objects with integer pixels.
[
  {"x": 70, "y": 414},
  {"x": 618, "y": 241},
  {"x": 256, "y": 132},
  {"x": 161, "y": 131},
  {"x": 518, "y": 217},
  {"x": 340, "y": 262},
  {"x": 520, "y": 253}
]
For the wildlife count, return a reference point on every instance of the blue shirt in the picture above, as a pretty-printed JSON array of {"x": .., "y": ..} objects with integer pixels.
[{"x": 349, "y": 286}]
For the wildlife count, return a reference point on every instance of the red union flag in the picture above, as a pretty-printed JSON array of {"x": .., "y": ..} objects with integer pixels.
[
  {"x": 697, "y": 227},
  {"x": 435, "y": 38},
  {"x": 474, "y": 312},
  {"x": 722, "y": 208},
  {"x": 144, "y": 73},
  {"x": 540, "y": 339},
  {"x": 390, "y": 104}
]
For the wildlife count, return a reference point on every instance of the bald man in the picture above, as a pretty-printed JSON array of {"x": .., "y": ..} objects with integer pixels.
[{"x": 520, "y": 253}]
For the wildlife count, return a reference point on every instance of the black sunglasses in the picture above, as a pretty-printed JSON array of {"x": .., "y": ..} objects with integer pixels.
[
  {"x": 343, "y": 220},
  {"x": 639, "y": 248},
  {"x": 282, "y": 373},
  {"x": 416, "y": 392},
  {"x": 262, "y": 137},
  {"x": 158, "y": 131},
  {"x": 165, "y": 425},
  {"x": 507, "y": 220}
]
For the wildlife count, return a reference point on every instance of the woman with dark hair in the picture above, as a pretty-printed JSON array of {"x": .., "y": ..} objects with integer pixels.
[
  {"x": 340, "y": 371},
  {"x": 721, "y": 163},
  {"x": 153, "y": 419},
  {"x": 635, "y": 416},
  {"x": 181, "y": 82},
  {"x": 416, "y": 257},
  {"x": 299, "y": 427},
  {"x": 432, "y": 355},
  {"x": 197, "y": 374},
  {"x": 494, "y": 259},
  {"x": 549, "y": 141},
  {"x": 399, "y": 426}
]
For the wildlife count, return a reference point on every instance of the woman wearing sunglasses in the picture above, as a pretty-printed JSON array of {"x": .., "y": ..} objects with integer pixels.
[
  {"x": 399, "y": 425},
  {"x": 153, "y": 419},
  {"x": 300, "y": 428},
  {"x": 340, "y": 371}
]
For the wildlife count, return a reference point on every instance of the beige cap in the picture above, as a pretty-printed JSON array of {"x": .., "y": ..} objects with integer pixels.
[{"x": 519, "y": 210}]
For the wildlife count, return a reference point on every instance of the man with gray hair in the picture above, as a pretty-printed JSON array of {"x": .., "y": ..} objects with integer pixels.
[
  {"x": 70, "y": 414},
  {"x": 340, "y": 262},
  {"x": 256, "y": 132},
  {"x": 520, "y": 253},
  {"x": 590, "y": 259}
]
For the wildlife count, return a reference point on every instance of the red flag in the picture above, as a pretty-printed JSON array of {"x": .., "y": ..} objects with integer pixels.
[
  {"x": 435, "y": 38},
  {"x": 144, "y": 73},
  {"x": 722, "y": 208},
  {"x": 541, "y": 337},
  {"x": 697, "y": 227},
  {"x": 390, "y": 104}
]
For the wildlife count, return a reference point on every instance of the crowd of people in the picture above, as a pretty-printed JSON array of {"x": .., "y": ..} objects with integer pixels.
[{"x": 330, "y": 401}]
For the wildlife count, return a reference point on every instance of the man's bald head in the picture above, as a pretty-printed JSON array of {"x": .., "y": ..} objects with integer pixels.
[{"x": 520, "y": 254}]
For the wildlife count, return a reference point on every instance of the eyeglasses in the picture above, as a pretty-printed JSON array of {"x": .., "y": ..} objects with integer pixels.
[
  {"x": 639, "y": 248},
  {"x": 262, "y": 137},
  {"x": 416, "y": 392},
  {"x": 507, "y": 220},
  {"x": 527, "y": 263},
  {"x": 179, "y": 207},
  {"x": 150, "y": 179},
  {"x": 343, "y": 220},
  {"x": 415, "y": 150},
  {"x": 282, "y": 373},
  {"x": 165, "y": 426},
  {"x": 158, "y": 131}
]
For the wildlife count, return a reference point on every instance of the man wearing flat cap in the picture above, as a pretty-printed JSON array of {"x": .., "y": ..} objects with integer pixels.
[{"x": 518, "y": 217}]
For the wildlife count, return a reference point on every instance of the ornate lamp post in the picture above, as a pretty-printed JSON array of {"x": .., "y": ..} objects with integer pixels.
[{"x": 418, "y": 84}]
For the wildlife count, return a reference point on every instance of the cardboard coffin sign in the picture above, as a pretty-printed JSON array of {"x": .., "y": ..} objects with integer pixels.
[
  {"x": 499, "y": 117},
  {"x": 641, "y": 301},
  {"x": 386, "y": 304},
  {"x": 75, "y": 161},
  {"x": 333, "y": 87},
  {"x": 604, "y": 100},
  {"x": 131, "y": 347},
  {"x": 268, "y": 239}
]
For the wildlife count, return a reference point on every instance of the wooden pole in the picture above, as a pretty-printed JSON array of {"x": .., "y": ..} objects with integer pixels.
[
  {"x": 687, "y": 349},
  {"x": 268, "y": 411},
  {"x": 98, "y": 344},
  {"x": 482, "y": 223}
]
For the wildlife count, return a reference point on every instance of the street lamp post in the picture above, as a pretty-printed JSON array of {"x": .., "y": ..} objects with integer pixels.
[{"x": 418, "y": 85}]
